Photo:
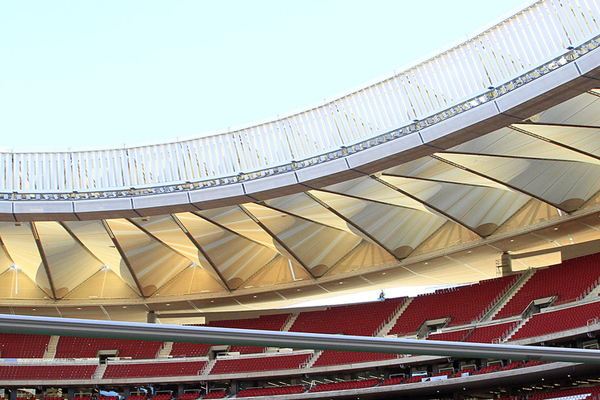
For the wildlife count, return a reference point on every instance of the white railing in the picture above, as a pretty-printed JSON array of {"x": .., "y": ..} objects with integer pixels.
[{"x": 503, "y": 58}]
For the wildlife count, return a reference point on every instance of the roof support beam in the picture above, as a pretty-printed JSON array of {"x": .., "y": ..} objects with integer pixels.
[
  {"x": 40, "y": 247},
  {"x": 276, "y": 239},
  {"x": 355, "y": 226},
  {"x": 520, "y": 128},
  {"x": 124, "y": 257},
  {"x": 439, "y": 157},
  {"x": 202, "y": 251},
  {"x": 436, "y": 209}
]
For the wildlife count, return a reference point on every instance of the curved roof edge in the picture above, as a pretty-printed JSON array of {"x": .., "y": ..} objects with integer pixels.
[{"x": 545, "y": 87}]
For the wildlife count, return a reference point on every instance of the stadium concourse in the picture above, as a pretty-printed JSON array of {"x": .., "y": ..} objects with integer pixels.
[{"x": 478, "y": 167}]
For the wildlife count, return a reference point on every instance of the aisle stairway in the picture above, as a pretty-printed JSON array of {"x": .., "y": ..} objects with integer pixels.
[
  {"x": 523, "y": 322},
  {"x": 290, "y": 322},
  {"x": 387, "y": 327},
  {"x": 209, "y": 366},
  {"x": 165, "y": 351},
  {"x": 510, "y": 293},
  {"x": 51, "y": 350},
  {"x": 100, "y": 371},
  {"x": 314, "y": 358}
]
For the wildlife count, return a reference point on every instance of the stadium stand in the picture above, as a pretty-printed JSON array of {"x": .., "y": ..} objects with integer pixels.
[
  {"x": 488, "y": 369},
  {"x": 363, "y": 319},
  {"x": 560, "y": 320},
  {"x": 272, "y": 391},
  {"x": 137, "y": 397},
  {"x": 77, "y": 347},
  {"x": 491, "y": 333},
  {"x": 273, "y": 322},
  {"x": 579, "y": 393},
  {"x": 329, "y": 357},
  {"x": 551, "y": 320},
  {"x": 13, "y": 345},
  {"x": 218, "y": 394},
  {"x": 461, "y": 305},
  {"x": 162, "y": 396},
  {"x": 397, "y": 380},
  {"x": 558, "y": 280},
  {"x": 328, "y": 387},
  {"x": 264, "y": 363},
  {"x": 190, "y": 349},
  {"x": 193, "y": 395},
  {"x": 415, "y": 379},
  {"x": 49, "y": 372},
  {"x": 136, "y": 370}
]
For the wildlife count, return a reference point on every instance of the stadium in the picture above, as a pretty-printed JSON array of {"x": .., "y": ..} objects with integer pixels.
[{"x": 165, "y": 271}]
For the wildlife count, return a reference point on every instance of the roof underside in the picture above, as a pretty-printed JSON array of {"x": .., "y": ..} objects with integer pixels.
[{"x": 441, "y": 219}]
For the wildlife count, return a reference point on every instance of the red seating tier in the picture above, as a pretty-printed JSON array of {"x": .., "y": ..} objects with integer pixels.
[
  {"x": 138, "y": 370},
  {"x": 77, "y": 347},
  {"x": 190, "y": 396},
  {"x": 488, "y": 369},
  {"x": 266, "y": 363},
  {"x": 460, "y": 373},
  {"x": 273, "y": 322},
  {"x": 271, "y": 391},
  {"x": 491, "y": 333},
  {"x": 566, "y": 393},
  {"x": 162, "y": 396},
  {"x": 393, "y": 381},
  {"x": 190, "y": 349},
  {"x": 557, "y": 321},
  {"x": 47, "y": 372},
  {"x": 246, "y": 349},
  {"x": 329, "y": 357},
  {"x": 415, "y": 379},
  {"x": 14, "y": 345},
  {"x": 215, "y": 395},
  {"x": 568, "y": 280},
  {"x": 363, "y": 319},
  {"x": 462, "y": 305},
  {"x": 327, "y": 387}
]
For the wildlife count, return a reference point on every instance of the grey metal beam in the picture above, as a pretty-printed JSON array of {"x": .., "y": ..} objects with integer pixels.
[{"x": 248, "y": 337}]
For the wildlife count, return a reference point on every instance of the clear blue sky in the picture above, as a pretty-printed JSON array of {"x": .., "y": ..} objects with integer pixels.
[{"x": 79, "y": 73}]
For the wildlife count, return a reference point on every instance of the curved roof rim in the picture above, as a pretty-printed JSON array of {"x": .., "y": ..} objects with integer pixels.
[{"x": 446, "y": 48}]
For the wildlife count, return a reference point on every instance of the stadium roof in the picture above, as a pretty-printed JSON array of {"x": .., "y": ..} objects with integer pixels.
[{"x": 425, "y": 177}]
